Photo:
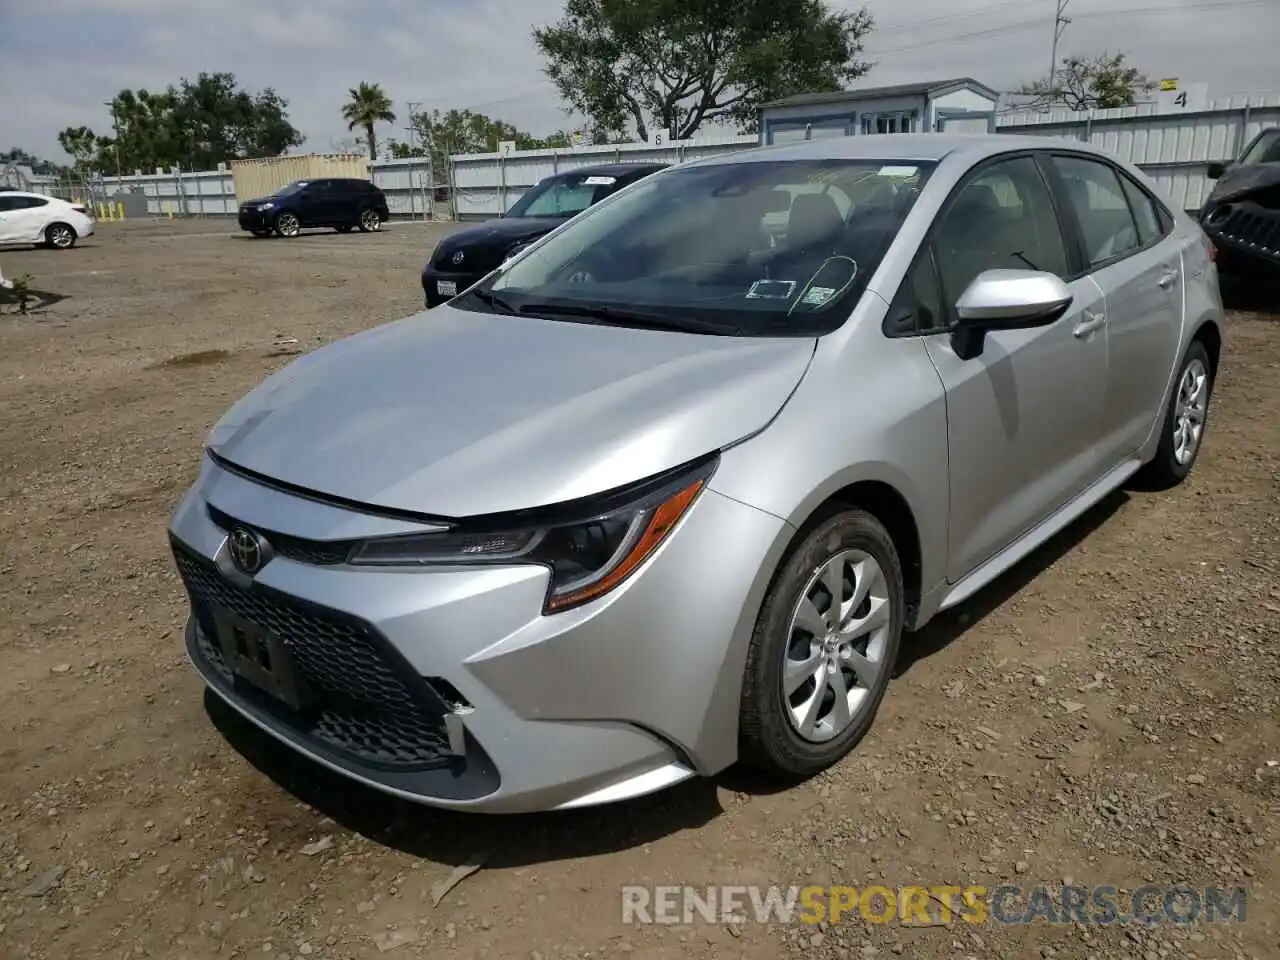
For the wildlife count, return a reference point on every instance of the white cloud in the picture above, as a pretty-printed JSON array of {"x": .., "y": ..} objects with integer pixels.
[{"x": 68, "y": 56}]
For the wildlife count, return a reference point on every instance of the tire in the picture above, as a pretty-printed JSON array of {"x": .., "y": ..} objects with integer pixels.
[
  {"x": 370, "y": 221},
  {"x": 345, "y": 228},
  {"x": 60, "y": 236},
  {"x": 1188, "y": 407},
  {"x": 288, "y": 225},
  {"x": 770, "y": 733}
]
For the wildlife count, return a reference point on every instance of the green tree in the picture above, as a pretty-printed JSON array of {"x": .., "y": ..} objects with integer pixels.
[
  {"x": 438, "y": 134},
  {"x": 678, "y": 64},
  {"x": 369, "y": 105},
  {"x": 1090, "y": 83},
  {"x": 195, "y": 125},
  {"x": 19, "y": 157},
  {"x": 81, "y": 144}
]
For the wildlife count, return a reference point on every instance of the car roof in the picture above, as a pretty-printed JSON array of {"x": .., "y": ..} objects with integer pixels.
[{"x": 924, "y": 147}]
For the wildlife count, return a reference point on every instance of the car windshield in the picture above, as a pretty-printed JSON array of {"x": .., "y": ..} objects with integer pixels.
[
  {"x": 1265, "y": 150},
  {"x": 773, "y": 248},
  {"x": 292, "y": 188},
  {"x": 562, "y": 196}
]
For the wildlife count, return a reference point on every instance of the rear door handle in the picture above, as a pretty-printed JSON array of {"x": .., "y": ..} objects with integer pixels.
[
  {"x": 1091, "y": 322},
  {"x": 1168, "y": 279}
]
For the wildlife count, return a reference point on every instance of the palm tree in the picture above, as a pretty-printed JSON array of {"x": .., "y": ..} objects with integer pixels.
[{"x": 368, "y": 105}]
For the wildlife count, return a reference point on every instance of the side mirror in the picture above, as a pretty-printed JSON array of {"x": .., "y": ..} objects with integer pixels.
[
  {"x": 1215, "y": 171},
  {"x": 1006, "y": 300}
]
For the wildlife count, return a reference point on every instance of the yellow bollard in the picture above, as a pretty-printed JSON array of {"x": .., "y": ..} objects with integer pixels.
[
  {"x": 119, "y": 211},
  {"x": 101, "y": 212}
]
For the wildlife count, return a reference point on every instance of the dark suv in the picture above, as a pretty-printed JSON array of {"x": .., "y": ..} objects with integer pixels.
[
  {"x": 463, "y": 258},
  {"x": 1242, "y": 214},
  {"x": 344, "y": 203}
]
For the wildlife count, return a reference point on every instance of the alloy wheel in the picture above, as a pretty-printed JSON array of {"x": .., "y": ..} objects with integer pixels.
[
  {"x": 836, "y": 651},
  {"x": 61, "y": 236},
  {"x": 370, "y": 221},
  {"x": 288, "y": 225},
  {"x": 1189, "y": 411}
]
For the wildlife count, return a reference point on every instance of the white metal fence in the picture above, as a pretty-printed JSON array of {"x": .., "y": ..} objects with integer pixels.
[{"x": 1174, "y": 148}]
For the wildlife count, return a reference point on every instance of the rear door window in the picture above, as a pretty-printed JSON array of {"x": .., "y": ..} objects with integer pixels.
[
  {"x": 1106, "y": 220},
  {"x": 1146, "y": 211}
]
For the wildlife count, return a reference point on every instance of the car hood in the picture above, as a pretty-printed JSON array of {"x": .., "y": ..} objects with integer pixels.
[
  {"x": 1239, "y": 182},
  {"x": 453, "y": 413},
  {"x": 498, "y": 234}
]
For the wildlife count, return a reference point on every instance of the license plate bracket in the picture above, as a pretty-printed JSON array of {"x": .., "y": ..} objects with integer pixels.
[
  {"x": 262, "y": 660},
  {"x": 447, "y": 288}
]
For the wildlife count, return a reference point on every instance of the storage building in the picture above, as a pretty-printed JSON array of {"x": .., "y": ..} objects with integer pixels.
[{"x": 962, "y": 105}]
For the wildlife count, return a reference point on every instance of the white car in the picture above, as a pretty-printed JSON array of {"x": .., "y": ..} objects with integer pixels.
[{"x": 45, "y": 221}]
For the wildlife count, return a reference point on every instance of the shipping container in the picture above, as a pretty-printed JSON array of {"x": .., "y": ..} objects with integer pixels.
[{"x": 260, "y": 178}]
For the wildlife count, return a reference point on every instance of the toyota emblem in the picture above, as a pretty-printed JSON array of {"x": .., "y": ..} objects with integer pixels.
[
  {"x": 458, "y": 257},
  {"x": 249, "y": 551}
]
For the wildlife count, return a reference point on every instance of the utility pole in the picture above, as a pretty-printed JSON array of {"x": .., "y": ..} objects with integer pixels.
[
  {"x": 115, "y": 126},
  {"x": 1060, "y": 21}
]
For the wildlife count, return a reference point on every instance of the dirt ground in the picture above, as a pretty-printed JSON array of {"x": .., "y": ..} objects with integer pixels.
[{"x": 1107, "y": 714}]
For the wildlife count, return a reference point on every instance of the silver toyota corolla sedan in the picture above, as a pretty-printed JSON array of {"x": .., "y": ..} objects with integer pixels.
[{"x": 665, "y": 490}]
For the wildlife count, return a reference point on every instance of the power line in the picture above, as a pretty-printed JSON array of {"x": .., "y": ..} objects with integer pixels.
[
  {"x": 1023, "y": 24},
  {"x": 949, "y": 17}
]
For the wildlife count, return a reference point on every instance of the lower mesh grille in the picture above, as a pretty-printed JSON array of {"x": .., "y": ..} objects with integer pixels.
[{"x": 364, "y": 703}]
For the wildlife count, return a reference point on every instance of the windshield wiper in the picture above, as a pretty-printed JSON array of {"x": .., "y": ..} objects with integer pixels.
[
  {"x": 630, "y": 318},
  {"x": 490, "y": 299}
]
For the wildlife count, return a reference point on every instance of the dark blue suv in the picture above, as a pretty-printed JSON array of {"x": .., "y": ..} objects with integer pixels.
[{"x": 343, "y": 203}]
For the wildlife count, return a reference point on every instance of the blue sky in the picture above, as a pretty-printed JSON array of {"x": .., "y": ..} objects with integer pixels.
[{"x": 60, "y": 59}]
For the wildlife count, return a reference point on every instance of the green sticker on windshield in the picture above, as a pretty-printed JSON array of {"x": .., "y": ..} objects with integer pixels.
[{"x": 817, "y": 296}]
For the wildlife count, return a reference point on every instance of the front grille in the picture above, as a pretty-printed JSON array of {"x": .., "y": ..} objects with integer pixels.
[
  {"x": 314, "y": 552},
  {"x": 1250, "y": 225},
  {"x": 366, "y": 704}
]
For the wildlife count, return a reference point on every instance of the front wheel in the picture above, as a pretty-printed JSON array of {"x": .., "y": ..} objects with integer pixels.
[
  {"x": 60, "y": 236},
  {"x": 1182, "y": 428},
  {"x": 823, "y": 648},
  {"x": 288, "y": 225},
  {"x": 370, "y": 221}
]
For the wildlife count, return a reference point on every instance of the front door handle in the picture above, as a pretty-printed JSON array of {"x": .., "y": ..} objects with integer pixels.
[
  {"x": 1091, "y": 322},
  {"x": 1168, "y": 279}
]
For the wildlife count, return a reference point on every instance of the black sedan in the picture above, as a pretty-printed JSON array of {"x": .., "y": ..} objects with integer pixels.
[{"x": 465, "y": 257}]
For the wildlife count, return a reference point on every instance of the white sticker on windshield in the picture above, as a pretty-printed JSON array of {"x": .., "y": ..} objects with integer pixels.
[
  {"x": 771, "y": 290},
  {"x": 899, "y": 171},
  {"x": 816, "y": 296},
  {"x": 599, "y": 181}
]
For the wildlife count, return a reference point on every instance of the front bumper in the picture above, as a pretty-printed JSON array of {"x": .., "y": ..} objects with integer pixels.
[
  {"x": 450, "y": 688},
  {"x": 1246, "y": 231},
  {"x": 437, "y": 283},
  {"x": 255, "y": 220}
]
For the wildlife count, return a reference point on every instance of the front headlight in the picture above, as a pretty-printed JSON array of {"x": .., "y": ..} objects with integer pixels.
[
  {"x": 267, "y": 206},
  {"x": 590, "y": 548}
]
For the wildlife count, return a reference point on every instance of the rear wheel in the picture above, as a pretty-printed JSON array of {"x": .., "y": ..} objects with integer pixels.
[
  {"x": 370, "y": 221},
  {"x": 1182, "y": 429},
  {"x": 60, "y": 236},
  {"x": 823, "y": 648},
  {"x": 287, "y": 225}
]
